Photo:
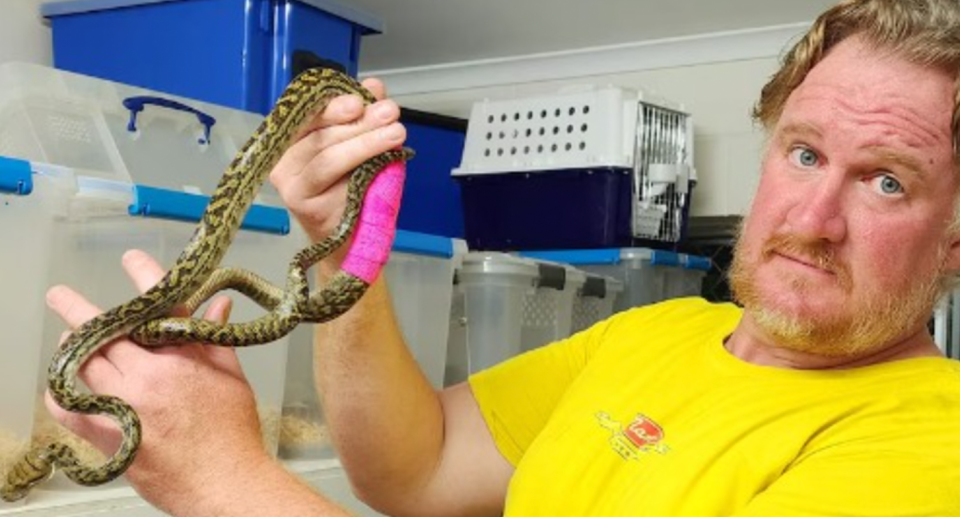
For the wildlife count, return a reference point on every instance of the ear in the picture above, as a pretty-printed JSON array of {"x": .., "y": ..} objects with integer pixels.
[{"x": 952, "y": 262}]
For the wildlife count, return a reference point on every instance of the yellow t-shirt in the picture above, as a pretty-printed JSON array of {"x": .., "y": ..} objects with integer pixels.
[{"x": 647, "y": 414}]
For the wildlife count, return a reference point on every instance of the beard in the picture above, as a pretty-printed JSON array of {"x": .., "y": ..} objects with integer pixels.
[{"x": 865, "y": 323}]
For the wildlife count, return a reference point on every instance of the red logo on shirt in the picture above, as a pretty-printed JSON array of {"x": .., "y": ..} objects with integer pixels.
[{"x": 641, "y": 436}]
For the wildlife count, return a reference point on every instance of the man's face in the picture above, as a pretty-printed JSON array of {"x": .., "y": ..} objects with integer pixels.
[{"x": 847, "y": 240}]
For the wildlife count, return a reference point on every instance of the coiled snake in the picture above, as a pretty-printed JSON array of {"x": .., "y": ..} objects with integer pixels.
[{"x": 196, "y": 276}]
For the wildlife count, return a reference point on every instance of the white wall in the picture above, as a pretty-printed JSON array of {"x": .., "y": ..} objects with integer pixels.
[{"x": 23, "y": 34}]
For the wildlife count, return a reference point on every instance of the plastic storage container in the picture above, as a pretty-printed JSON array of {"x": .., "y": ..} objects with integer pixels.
[
  {"x": 586, "y": 168},
  {"x": 420, "y": 279},
  {"x": 236, "y": 53},
  {"x": 695, "y": 269},
  {"x": 645, "y": 273},
  {"x": 431, "y": 198},
  {"x": 595, "y": 301},
  {"x": 504, "y": 305},
  {"x": 89, "y": 189},
  {"x": 24, "y": 262}
]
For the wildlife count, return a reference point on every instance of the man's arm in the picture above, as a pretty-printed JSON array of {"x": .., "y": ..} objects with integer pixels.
[
  {"x": 202, "y": 452},
  {"x": 408, "y": 449}
]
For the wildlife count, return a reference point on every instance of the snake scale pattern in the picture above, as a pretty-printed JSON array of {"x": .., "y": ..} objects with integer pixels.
[{"x": 196, "y": 276}]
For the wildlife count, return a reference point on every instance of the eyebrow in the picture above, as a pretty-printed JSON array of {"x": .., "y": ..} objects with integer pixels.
[
  {"x": 809, "y": 132},
  {"x": 906, "y": 161},
  {"x": 799, "y": 131}
]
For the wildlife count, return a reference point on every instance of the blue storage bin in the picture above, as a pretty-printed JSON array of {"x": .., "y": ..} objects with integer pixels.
[
  {"x": 236, "y": 53},
  {"x": 574, "y": 208},
  {"x": 431, "y": 197}
]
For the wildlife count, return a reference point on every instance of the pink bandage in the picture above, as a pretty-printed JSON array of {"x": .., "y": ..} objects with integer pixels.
[{"x": 377, "y": 225}]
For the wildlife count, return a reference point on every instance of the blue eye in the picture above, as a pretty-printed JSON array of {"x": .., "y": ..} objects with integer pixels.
[
  {"x": 804, "y": 157},
  {"x": 888, "y": 184}
]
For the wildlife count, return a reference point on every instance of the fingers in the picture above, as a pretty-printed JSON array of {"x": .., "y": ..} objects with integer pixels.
[
  {"x": 345, "y": 109},
  {"x": 97, "y": 372},
  {"x": 317, "y": 171},
  {"x": 327, "y": 134},
  {"x": 142, "y": 269},
  {"x": 323, "y": 156},
  {"x": 376, "y": 87},
  {"x": 98, "y": 430},
  {"x": 72, "y": 308}
]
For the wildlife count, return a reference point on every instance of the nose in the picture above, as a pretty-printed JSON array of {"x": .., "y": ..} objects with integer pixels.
[{"x": 818, "y": 212}]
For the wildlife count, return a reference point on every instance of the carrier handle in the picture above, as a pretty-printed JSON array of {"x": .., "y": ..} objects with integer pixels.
[{"x": 136, "y": 105}]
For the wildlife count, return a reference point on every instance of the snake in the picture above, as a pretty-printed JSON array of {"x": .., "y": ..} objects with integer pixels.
[{"x": 197, "y": 275}]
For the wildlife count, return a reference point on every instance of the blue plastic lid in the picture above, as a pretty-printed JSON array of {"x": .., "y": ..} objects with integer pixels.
[
  {"x": 370, "y": 24},
  {"x": 577, "y": 257},
  {"x": 16, "y": 176},
  {"x": 697, "y": 262},
  {"x": 606, "y": 256},
  {"x": 664, "y": 258},
  {"x": 182, "y": 206},
  {"x": 423, "y": 244}
]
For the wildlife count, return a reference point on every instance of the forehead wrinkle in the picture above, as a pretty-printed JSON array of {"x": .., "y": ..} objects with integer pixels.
[{"x": 895, "y": 119}]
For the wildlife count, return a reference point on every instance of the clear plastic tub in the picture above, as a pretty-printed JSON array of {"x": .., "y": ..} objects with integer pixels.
[
  {"x": 99, "y": 184},
  {"x": 504, "y": 305},
  {"x": 420, "y": 280},
  {"x": 595, "y": 301}
]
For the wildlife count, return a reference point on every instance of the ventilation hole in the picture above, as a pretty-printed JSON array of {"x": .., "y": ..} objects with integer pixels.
[
  {"x": 572, "y": 110},
  {"x": 490, "y": 119},
  {"x": 489, "y": 136},
  {"x": 539, "y": 148},
  {"x": 553, "y": 147},
  {"x": 570, "y": 129},
  {"x": 502, "y": 136},
  {"x": 513, "y": 151},
  {"x": 516, "y": 133},
  {"x": 586, "y": 109},
  {"x": 486, "y": 152},
  {"x": 542, "y": 131},
  {"x": 557, "y": 112},
  {"x": 529, "y": 132},
  {"x": 556, "y": 130},
  {"x": 516, "y": 116},
  {"x": 526, "y": 149},
  {"x": 529, "y": 115},
  {"x": 543, "y": 114},
  {"x": 583, "y": 145},
  {"x": 499, "y": 152},
  {"x": 583, "y": 128},
  {"x": 568, "y": 146},
  {"x": 503, "y": 118}
]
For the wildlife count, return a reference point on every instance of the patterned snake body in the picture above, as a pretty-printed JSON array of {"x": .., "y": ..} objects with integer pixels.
[{"x": 195, "y": 277}]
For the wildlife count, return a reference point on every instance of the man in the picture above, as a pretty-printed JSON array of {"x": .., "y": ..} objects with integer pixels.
[{"x": 825, "y": 395}]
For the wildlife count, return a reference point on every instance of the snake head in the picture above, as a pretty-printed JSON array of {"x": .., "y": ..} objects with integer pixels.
[{"x": 34, "y": 468}]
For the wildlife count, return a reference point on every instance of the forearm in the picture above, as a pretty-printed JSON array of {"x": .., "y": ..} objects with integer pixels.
[
  {"x": 255, "y": 486},
  {"x": 384, "y": 417}
]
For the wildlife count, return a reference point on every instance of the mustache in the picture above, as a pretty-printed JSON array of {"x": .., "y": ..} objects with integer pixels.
[{"x": 820, "y": 254}]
